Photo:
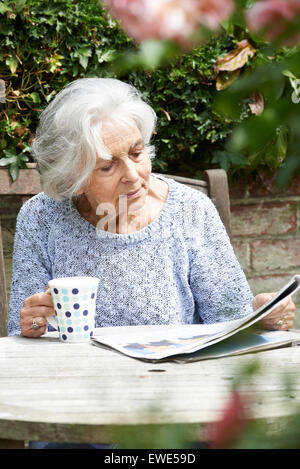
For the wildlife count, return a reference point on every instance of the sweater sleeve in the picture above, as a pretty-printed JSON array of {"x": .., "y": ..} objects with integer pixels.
[
  {"x": 31, "y": 263},
  {"x": 220, "y": 289}
]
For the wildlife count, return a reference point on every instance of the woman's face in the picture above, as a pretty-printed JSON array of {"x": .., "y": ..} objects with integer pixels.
[{"x": 124, "y": 180}]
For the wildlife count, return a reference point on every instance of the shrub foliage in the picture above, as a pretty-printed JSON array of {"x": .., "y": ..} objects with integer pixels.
[{"x": 45, "y": 45}]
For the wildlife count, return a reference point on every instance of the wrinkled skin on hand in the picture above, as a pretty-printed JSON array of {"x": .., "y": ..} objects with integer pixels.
[
  {"x": 281, "y": 318},
  {"x": 37, "y": 307}
]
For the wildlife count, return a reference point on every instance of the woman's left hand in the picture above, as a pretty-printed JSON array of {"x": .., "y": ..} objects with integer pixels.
[{"x": 281, "y": 318}]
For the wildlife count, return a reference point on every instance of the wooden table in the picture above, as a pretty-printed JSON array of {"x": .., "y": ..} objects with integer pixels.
[{"x": 52, "y": 391}]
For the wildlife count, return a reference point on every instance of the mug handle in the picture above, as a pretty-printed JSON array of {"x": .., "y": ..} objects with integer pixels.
[{"x": 51, "y": 319}]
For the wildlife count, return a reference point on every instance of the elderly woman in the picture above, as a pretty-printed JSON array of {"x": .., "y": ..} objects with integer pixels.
[{"x": 158, "y": 247}]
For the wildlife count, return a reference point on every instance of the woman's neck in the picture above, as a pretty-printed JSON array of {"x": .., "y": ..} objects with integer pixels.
[{"x": 129, "y": 221}]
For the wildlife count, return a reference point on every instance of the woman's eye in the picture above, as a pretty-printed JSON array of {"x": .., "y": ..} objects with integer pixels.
[
  {"x": 107, "y": 168},
  {"x": 136, "y": 154}
]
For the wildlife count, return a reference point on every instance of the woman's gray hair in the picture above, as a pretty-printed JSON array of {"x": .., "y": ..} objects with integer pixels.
[{"x": 68, "y": 137}]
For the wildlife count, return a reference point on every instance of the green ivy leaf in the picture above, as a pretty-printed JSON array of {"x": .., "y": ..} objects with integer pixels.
[
  {"x": 12, "y": 63},
  {"x": 20, "y": 4},
  {"x": 50, "y": 96},
  {"x": 83, "y": 55},
  {"x": 9, "y": 153},
  {"x": 4, "y": 8},
  {"x": 222, "y": 159},
  {"x": 6, "y": 161},
  {"x": 14, "y": 171},
  {"x": 22, "y": 159},
  {"x": 35, "y": 97},
  {"x": 106, "y": 56}
]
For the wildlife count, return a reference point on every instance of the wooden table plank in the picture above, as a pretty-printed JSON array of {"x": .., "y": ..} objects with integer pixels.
[{"x": 77, "y": 392}]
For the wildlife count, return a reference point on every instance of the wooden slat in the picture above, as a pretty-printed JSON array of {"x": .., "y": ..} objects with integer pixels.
[
  {"x": 219, "y": 193},
  {"x": 27, "y": 182}
]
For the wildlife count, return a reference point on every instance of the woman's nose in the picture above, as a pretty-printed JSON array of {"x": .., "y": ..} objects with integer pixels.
[{"x": 130, "y": 173}]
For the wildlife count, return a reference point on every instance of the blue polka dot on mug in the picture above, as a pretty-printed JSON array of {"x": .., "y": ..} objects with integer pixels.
[{"x": 75, "y": 306}]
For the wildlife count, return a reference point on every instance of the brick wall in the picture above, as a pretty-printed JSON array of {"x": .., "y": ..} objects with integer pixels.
[{"x": 266, "y": 234}]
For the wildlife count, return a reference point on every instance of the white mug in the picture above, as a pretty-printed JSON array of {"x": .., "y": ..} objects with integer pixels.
[{"x": 74, "y": 301}]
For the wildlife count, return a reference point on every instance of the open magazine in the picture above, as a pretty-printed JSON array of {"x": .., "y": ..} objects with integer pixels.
[{"x": 191, "y": 342}]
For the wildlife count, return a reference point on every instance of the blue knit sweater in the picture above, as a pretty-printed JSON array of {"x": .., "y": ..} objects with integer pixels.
[{"x": 180, "y": 269}]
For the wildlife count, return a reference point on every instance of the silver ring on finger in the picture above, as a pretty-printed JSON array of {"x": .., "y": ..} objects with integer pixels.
[
  {"x": 34, "y": 325},
  {"x": 280, "y": 322}
]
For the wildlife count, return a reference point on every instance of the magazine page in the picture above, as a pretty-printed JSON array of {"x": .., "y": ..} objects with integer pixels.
[
  {"x": 167, "y": 341},
  {"x": 288, "y": 290},
  {"x": 138, "y": 342},
  {"x": 241, "y": 343}
]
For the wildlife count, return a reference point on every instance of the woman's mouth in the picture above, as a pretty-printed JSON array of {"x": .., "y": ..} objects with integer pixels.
[{"x": 133, "y": 195}]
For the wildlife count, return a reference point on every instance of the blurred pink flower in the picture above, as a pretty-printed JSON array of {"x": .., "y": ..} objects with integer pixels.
[
  {"x": 229, "y": 428},
  {"x": 213, "y": 12},
  {"x": 273, "y": 18},
  {"x": 168, "y": 19}
]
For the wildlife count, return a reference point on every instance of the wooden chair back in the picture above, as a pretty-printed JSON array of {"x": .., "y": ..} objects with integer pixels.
[{"x": 215, "y": 185}]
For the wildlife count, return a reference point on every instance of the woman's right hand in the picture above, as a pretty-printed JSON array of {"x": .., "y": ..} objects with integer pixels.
[{"x": 35, "y": 310}]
